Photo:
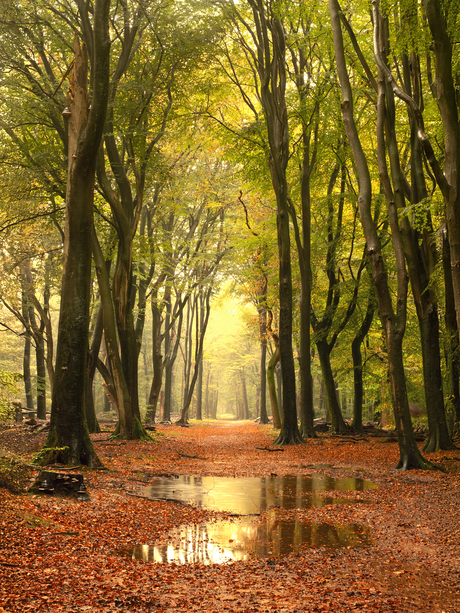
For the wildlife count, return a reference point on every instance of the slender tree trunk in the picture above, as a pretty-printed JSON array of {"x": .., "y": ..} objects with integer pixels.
[
  {"x": 263, "y": 383},
  {"x": 419, "y": 264},
  {"x": 215, "y": 402},
  {"x": 244, "y": 395},
  {"x": 93, "y": 356},
  {"x": 198, "y": 357},
  {"x": 271, "y": 67},
  {"x": 438, "y": 433},
  {"x": 188, "y": 345},
  {"x": 357, "y": 423},
  {"x": 207, "y": 398},
  {"x": 41, "y": 377},
  {"x": 169, "y": 367},
  {"x": 272, "y": 388},
  {"x": 128, "y": 427},
  {"x": 199, "y": 391},
  {"x": 26, "y": 373},
  {"x": 261, "y": 307},
  {"x": 393, "y": 322},
  {"x": 338, "y": 424},
  {"x": 157, "y": 364}
]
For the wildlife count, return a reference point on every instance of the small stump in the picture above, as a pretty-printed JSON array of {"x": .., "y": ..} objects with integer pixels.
[{"x": 60, "y": 484}]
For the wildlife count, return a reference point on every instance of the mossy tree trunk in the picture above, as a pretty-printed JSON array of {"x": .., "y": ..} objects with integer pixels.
[{"x": 452, "y": 341}]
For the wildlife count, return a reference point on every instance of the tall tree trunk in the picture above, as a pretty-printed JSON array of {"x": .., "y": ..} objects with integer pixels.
[
  {"x": 215, "y": 402},
  {"x": 172, "y": 353},
  {"x": 445, "y": 91},
  {"x": 128, "y": 427},
  {"x": 271, "y": 67},
  {"x": 420, "y": 264},
  {"x": 207, "y": 397},
  {"x": 41, "y": 377},
  {"x": 199, "y": 388},
  {"x": 93, "y": 356},
  {"x": 187, "y": 354},
  {"x": 68, "y": 440},
  {"x": 393, "y": 322},
  {"x": 262, "y": 412},
  {"x": 244, "y": 395}
]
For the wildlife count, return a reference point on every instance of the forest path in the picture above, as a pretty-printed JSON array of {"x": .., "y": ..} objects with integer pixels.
[{"x": 60, "y": 555}]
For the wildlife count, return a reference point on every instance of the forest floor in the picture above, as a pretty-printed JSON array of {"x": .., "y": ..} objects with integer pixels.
[{"x": 63, "y": 554}]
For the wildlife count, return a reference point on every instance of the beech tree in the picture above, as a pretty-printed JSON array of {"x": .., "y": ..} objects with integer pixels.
[
  {"x": 268, "y": 60},
  {"x": 68, "y": 440},
  {"x": 393, "y": 320}
]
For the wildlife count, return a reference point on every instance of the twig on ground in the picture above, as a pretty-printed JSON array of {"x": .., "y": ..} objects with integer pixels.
[{"x": 192, "y": 457}]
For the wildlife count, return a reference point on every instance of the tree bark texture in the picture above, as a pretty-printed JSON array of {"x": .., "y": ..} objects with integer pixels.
[
  {"x": 357, "y": 422},
  {"x": 419, "y": 264},
  {"x": 272, "y": 388},
  {"x": 271, "y": 66},
  {"x": 393, "y": 322},
  {"x": 446, "y": 97},
  {"x": 68, "y": 439}
]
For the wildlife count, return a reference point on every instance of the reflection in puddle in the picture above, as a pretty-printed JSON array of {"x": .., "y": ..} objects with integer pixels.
[
  {"x": 243, "y": 538},
  {"x": 229, "y": 541},
  {"x": 253, "y": 495}
]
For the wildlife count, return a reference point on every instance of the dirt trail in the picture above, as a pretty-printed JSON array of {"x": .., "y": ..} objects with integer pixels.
[{"x": 62, "y": 555}]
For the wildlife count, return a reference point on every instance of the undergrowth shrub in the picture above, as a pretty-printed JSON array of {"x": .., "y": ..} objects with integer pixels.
[{"x": 14, "y": 473}]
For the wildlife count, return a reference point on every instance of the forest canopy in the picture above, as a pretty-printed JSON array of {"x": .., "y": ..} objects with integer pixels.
[{"x": 295, "y": 163}]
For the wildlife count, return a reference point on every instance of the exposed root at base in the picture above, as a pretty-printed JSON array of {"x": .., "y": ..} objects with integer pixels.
[
  {"x": 138, "y": 433},
  {"x": 285, "y": 438},
  {"x": 409, "y": 463}
]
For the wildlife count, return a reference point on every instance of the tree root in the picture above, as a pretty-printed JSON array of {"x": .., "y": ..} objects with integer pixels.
[
  {"x": 408, "y": 462},
  {"x": 71, "y": 458},
  {"x": 138, "y": 433},
  {"x": 306, "y": 434},
  {"x": 289, "y": 438},
  {"x": 432, "y": 445}
]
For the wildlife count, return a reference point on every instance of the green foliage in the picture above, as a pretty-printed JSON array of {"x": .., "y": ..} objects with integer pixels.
[{"x": 8, "y": 392}]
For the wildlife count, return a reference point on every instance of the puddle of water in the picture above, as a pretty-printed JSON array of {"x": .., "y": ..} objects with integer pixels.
[
  {"x": 253, "y": 495},
  {"x": 229, "y": 541},
  {"x": 219, "y": 542}
]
